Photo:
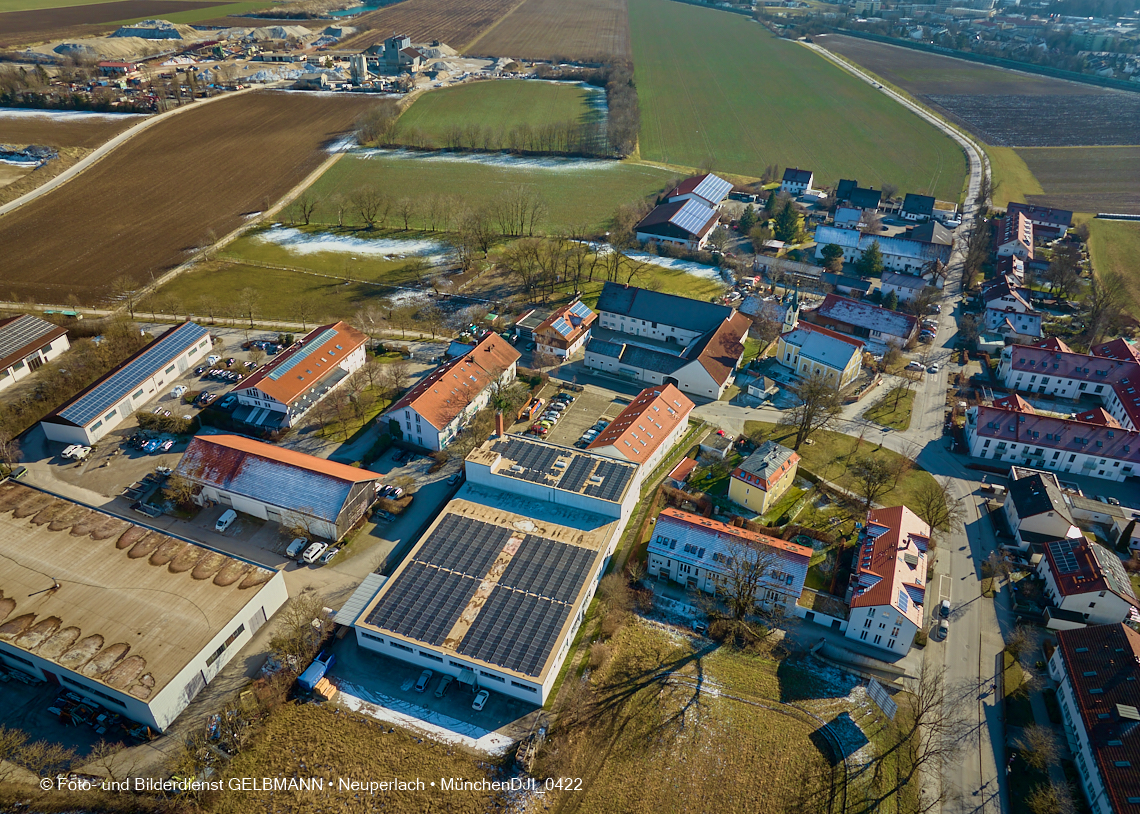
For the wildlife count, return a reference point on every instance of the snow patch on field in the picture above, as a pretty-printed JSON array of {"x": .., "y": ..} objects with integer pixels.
[
  {"x": 300, "y": 242},
  {"x": 671, "y": 263},
  {"x": 65, "y": 115},
  {"x": 501, "y": 160},
  {"x": 431, "y": 724}
]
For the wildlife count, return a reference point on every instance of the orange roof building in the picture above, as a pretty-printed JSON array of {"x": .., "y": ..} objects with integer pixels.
[
  {"x": 276, "y": 394},
  {"x": 433, "y": 412},
  {"x": 648, "y": 428},
  {"x": 565, "y": 331}
]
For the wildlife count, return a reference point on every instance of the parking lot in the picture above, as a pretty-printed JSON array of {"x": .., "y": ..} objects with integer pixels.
[{"x": 588, "y": 407}]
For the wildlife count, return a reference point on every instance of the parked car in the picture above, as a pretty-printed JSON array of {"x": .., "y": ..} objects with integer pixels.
[
  {"x": 198, "y": 371},
  {"x": 944, "y": 608},
  {"x": 151, "y": 446},
  {"x": 225, "y": 521},
  {"x": 422, "y": 681},
  {"x": 480, "y": 699},
  {"x": 914, "y": 366},
  {"x": 444, "y": 683},
  {"x": 212, "y": 359},
  {"x": 327, "y": 557},
  {"x": 19, "y": 473},
  {"x": 296, "y": 547},
  {"x": 1113, "y": 501},
  {"x": 454, "y": 479},
  {"x": 228, "y": 400},
  {"x": 943, "y": 629},
  {"x": 933, "y": 368},
  {"x": 178, "y": 392},
  {"x": 68, "y": 450},
  {"x": 314, "y": 551},
  {"x": 531, "y": 345}
]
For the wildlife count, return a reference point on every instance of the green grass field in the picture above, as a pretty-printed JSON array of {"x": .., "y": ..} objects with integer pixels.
[
  {"x": 893, "y": 410},
  {"x": 1115, "y": 250},
  {"x": 1012, "y": 179},
  {"x": 577, "y": 193},
  {"x": 499, "y": 104},
  {"x": 718, "y": 90}
]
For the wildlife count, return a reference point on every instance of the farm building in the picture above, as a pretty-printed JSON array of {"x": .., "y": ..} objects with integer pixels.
[
  {"x": 283, "y": 389},
  {"x": 645, "y": 431},
  {"x": 686, "y": 223},
  {"x": 930, "y": 232},
  {"x": 26, "y": 342},
  {"x": 1101, "y": 715},
  {"x": 877, "y": 326},
  {"x": 437, "y": 407},
  {"x": 150, "y": 30},
  {"x": 809, "y": 349},
  {"x": 102, "y": 406},
  {"x": 135, "y": 620},
  {"x": 699, "y": 553},
  {"x": 796, "y": 181},
  {"x": 899, "y": 253},
  {"x": 650, "y": 314},
  {"x": 847, "y": 217},
  {"x": 1013, "y": 235},
  {"x": 280, "y": 485},
  {"x": 116, "y": 68},
  {"x": 763, "y": 477},
  {"x": 917, "y": 207},
  {"x": 1083, "y": 577},
  {"x": 710, "y": 190},
  {"x": 857, "y": 287},
  {"x": 565, "y": 331},
  {"x": 496, "y": 588}
]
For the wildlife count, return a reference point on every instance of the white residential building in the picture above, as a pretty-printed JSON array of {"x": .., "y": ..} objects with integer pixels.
[
  {"x": 1085, "y": 578},
  {"x": 645, "y": 431},
  {"x": 26, "y": 342},
  {"x": 1036, "y": 510},
  {"x": 907, "y": 287},
  {"x": 899, "y": 253},
  {"x": 796, "y": 181},
  {"x": 811, "y": 349}
]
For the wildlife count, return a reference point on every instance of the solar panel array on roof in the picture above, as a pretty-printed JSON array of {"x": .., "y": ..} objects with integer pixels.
[
  {"x": 713, "y": 188},
  {"x": 613, "y": 479},
  {"x": 537, "y": 464},
  {"x": 549, "y": 568},
  {"x": 580, "y": 309},
  {"x": 464, "y": 545},
  {"x": 302, "y": 353},
  {"x": 692, "y": 216},
  {"x": 1063, "y": 554},
  {"x": 515, "y": 630},
  {"x": 424, "y": 603},
  {"x": 22, "y": 331},
  {"x": 562, "y": 326},
  {"x": 115, "y": 387},
  {"x": 904, "y": 601},
  {"x": 575, "y": 476}
]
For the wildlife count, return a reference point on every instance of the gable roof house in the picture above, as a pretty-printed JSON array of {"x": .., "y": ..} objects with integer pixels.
[
  {"x": 1013, "y": 234},
  {"x": 697, "y": 552},
  {"x": 437, "y": 407},
  {"x": 1036, "y": 510},
  {"x": 907, "y": 287},
  {"x": 708, "y": 189},
  {"x": 878, "y": 327},
  {"x": 289, "y": 384},
  {"x": 566, "y": 330},
  {"x": 917, "y": 207},
  {"x": 809, "y": 349},
  {"x": 1085, "y": 578},
  {"x": 899, "y": 253},
  {"x": 26, "y": 342},
  {"x": 930, "y": 232},
  {"x": 1097, "y": 670},
  {"x": 796, "y": 181},
  {"x": 645, "y": 431},
  {"x": 763, "y": 477},
  {"x": 1009, "y": 312},
  {"x": 277, "y": 484},
  {"x": 888, "y": 591},
  {"x": 686, "y": 223},
  {"x": 1048, "y": 220}
]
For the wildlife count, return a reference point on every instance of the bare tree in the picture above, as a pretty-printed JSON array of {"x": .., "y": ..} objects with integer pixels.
[
  {"x": 874, "y": 478},
  {"x": 1051, "y": 798},
  {"x": 369, "y": 202},
  {"x": 1105, "y": 303},
  {"x": 125, "y": 290},
  {"x": 301, "y": 626},
  {"x": 935, "y": 503},
  {"x": 819, "y": 407},
  {"x": 396, "y": 376},
  {"x": 305, "y": 205},
  {"x": 247, "y": 302},
  {"x": 303, "y": 312},
  {"x": 178, "y": 490},
  {"x": 9, "y": 450},
  {"x": 1038, "y": 746},
  {"x": 406, "y": 209}
]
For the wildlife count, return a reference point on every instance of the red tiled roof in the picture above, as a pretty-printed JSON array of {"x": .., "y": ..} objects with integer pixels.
[
  {"x": 1097, "y": 415},
  {"x": 1087, "y": 568},
  {"x": 721, "y": 353},
  {"x": 747, "y": 537},
  {"x": 318, "y": 363},
  {"x": 577, "y": 326},
  {"x": 1118, "y": 348},
  {"x": 644, "y": 425},
  {"x": 1016, "y": 403},
  {"x": 1106, "y": 658},
  {"x": 1121, "y": 370},
  {"x": 687, "y": 186},
  {"x": 682, "y": 470},
  {"x": 1014, "y": 228},
  {"x": 451, "y": 387},
  {"x": 1053, "y": 344},
  {"x": 819, "y": 329},
  {"x": 882, "y": 571},
  {"x": 1051, "y": 432}
]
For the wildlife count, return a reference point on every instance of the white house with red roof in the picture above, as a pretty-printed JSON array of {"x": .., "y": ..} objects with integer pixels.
[
  {"x": 1013, "y": 235},
  {"x": 566, "y": 331},
  {"x": 888, "y": 588},
  {"x": 1085, "y": 578},
  {"x": 288, "y": 385},
  {"x": 433, "y": 411},
  {"x": 1009, "y": 311},
  {"x": 708, "y": 189},
  {"x": 645, "y": 431},
  {"x": 698, "y": 552}
]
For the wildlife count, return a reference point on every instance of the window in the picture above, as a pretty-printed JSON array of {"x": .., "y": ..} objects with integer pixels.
[
  {"x": 170, "y": 369},
  {"x": 863, "y": 635},
  {"x": 110, "y": 415},
  {"x": 371, "y": 636},
  {"x": 522, "y": 686},
  {"x": 138, "y": 394},
  {"x": 432, "y": 656},
  {"x": 878, "y": 639},
  {"x": 492, "y": 676},
  {"x": 891, "y": 644},
  {"x": 92, "y": 691},
  {"x": 96, "y": 425},
  {"x": 399, "y": 646},
  {"x": 230, "y": 640}
]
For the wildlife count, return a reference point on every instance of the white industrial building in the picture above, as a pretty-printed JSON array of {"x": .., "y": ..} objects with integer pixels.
[
  {"x": 104, "y": 405},
  {"x": 131, "y": 618},
  {"x": 26, "y": 342}
]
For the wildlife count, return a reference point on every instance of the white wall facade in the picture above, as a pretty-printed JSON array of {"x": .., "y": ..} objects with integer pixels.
[
  {"x": 1097, "y": 607},
  {"x": 1043, "y": 457},
  {"x": 1046, "y": 382},
  {"x": 258, "y": 398},
  {"x": 418, "y": 430},
  {"x": 26, "y": 366},
  {"x": 661, "y": 331},
  {"x": 266, "y": 511},
  {"x": 650, "y": 463},
  {"x": 788, "y": 356},
  {"x": 1078, "y": 739},
  {"x": 881, "y": 626}
]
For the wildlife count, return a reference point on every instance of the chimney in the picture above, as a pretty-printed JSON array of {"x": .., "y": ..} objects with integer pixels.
[{"x": 500, "y": 427}]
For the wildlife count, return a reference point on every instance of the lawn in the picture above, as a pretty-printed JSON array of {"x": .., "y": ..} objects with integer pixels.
[
  {"x": 833, "y": 452},
  {"x": 500, "y": 104},
  {"x": 755, "y": 100},
  {"x": 1012, "y": 179},
  {"x": 1115, "y": 250},
  {"x": 577, "y": 193},
  {"x": 894, "y": 410}
]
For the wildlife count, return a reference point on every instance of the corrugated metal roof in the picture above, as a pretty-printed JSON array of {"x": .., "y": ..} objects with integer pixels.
[
  {"x": 364, "y": 593},
  {"x": 20, "y": 335}
]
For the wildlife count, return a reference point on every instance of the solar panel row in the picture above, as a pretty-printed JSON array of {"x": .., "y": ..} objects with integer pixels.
[
  {"x": 562, "y": 326},
  {"x": 549, "y": 568},
  {"x": 1066, "y": 559},
  {"x": 692, "y": 216},
  {"x": 21, "y": 332},
  {"x": 464, "y": 545},
  {"x": 424, "y": 603},
  {"x": 304, "y": 352},
  {"x": 515, "y": 630},
  {"x": 580, "y": 309}
]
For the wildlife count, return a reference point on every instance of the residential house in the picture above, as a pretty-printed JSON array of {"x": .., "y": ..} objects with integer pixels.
[
  {"x": 26, "y": 342},
  {"x": 104, "y": 404},
  {"x": 645, "y": 431},
  {"x": 899, "y": 253},
  {"x": 92, "y": 607},
  {"x": 1097, "y": 670},
  {"x": 853, "y": 195},
  {"x": 287, "y": 386},
  {"x": 888, "y": 587},
  {"x": 1045, "y": 219},
  {"x": 700, "y": 553},
  {"x": 1036, "y": 510},
  {"x": 708, "y": 189},
  {"x": 907, "y": 287},
  {"x": 1009, "y": 312},
  {"x": 796, "y": 181},
  {"x": 1010, "y": 265},
  {"x": 277, "y": 484},
  {"x": 878, "y": 327},
  {"x": 763, "y": 477},
  {"x": 930, "y": 232},
  {"x": 856, "y": 287},
  {"x": 1085, "y": 578},
  {"x": 1013, "y": 235},
  {"x": 810, "y": 349},
  {"x": 437, "y": 407},
  {"x": 666, "y": 318},
  {"x": 847, "y": 217},
  {"x": 565, "y": 331},
  {"x": 685, "y": 223},
  {"x": 917, "y": 207},
  {"x": 679, "y": 475}
]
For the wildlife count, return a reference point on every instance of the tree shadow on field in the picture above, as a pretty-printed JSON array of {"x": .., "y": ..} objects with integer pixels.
[
  {"x": 841, "y": 728},
  {"x": 805, "y": 679}
]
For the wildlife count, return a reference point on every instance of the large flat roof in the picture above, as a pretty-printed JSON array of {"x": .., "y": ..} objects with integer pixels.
[
  {"x": 498, "y": 578},
  {"x": 133, "y": 607},
  {"x": 565, "y": 468}
]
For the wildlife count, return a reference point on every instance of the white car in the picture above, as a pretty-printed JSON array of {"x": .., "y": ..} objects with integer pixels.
[
  {"x": 178, "y": 391},
  {"x": 480, "y": 700},
  {"x": 212, "y": 359},
  {"x": 68, "y": 450},
  {"x": 933, "y": 368},
  {"x": 313, "y": 552}
]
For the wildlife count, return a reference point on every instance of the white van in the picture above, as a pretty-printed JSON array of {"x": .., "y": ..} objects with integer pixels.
[
  {"x": 296, "y": 547},
  {"x": 225, "y": 521}
]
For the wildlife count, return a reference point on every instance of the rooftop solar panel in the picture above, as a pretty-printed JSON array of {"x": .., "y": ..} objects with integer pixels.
[
  {"x": 548, "y": 568},
  {"x": 423, "y": 603},
  {"x": 1063, "y": 554},
  {"x": 464, "y": 545},
  {"x": 115, "y": 387},
  {"x": 562, "y": 326},
  {"x": 302, "y": 353},
  {"x": 713, "y": 188},
  {"x": 692, "y": 216},
  {"x": 904, "y": 601},
  {"x": 515, "y": 630},
  {"x": 21, "y": 332},
  {"x": 580, "y": 309}
]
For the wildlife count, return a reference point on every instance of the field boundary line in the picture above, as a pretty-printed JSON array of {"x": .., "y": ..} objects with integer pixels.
[
  {"x": 492, "y": 26},
  {"x": 108, "y": 147}
]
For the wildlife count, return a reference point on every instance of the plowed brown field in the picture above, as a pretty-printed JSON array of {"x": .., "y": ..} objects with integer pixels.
[
  {"x": 144, "y": 207},
  {"x": 52, "y": 19},
  {"x": 74, "y": 132},
  {"x": 571, "y": 30},
  {"x": 455, "y": 23}
]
